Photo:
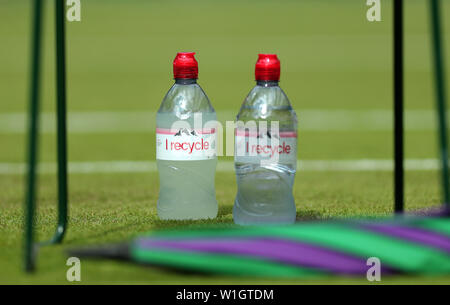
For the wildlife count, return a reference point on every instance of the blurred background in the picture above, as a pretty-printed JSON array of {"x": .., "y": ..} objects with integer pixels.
[{"x": 336, "y": 70}]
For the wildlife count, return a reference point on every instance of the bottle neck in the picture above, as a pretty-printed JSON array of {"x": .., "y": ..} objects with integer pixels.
[
  {"x": 185, "y": 81},
  {"x": 267, "y": 83}
]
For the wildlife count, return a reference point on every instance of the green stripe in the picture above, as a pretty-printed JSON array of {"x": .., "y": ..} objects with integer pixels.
[
  {"x": 439, "y": 225},
  {"x": 226, "y": 264}
]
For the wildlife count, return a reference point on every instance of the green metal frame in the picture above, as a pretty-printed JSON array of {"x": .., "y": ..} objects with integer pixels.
[
  {"x": 399, "y": 172},
  {"x": 33, "y": 136},
  {"x": 30, "y": 246},
  {"x": 441, "y": 107}
]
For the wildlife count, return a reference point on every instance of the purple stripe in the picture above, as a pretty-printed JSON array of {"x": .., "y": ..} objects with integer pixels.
[
  {"x": 285, "y": 251},
  {"x": 417, "y": 235}
]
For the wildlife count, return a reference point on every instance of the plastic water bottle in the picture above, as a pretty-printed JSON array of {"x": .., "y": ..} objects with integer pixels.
[
  {"x": 266, "y": 158},
  {"x": 186, "y": 147}
]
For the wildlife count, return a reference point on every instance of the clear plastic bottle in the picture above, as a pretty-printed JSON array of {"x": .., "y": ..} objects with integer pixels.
[
  {"x": 264, "y": 193},
  {"x": 185, "y": 147}
]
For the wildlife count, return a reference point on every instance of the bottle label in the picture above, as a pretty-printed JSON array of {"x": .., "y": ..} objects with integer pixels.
[
  {"x": 185, "y": 144},
  {"x": 254, "y": 147}
]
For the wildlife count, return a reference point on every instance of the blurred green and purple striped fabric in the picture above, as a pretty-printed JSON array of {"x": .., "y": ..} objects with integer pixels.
[{"x": 411, "y": 245}]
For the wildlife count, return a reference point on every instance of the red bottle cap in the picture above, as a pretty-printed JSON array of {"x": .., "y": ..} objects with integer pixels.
[
  {"x": 267, "y": 67},
  {"x": 185, "y": 65}
]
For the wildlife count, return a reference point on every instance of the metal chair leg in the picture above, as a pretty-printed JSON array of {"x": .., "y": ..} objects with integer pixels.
[
  {"x": 398, "y": 108},
  {"x": 33, "y": 136},
  {"x": 33, "y": 125},
  {"x": 61, "y": 121},
  {"x": 440, "y": 97}
]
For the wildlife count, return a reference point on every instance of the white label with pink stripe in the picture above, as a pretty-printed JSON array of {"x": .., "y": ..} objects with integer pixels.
[
  {"x": 185, "y": 144},
  {"x": 252, "y": 147}
]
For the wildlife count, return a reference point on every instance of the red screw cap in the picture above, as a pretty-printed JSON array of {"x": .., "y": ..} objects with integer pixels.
[
  {"x": 267, "y": 67},
  {"x": 185, "y": 65}
]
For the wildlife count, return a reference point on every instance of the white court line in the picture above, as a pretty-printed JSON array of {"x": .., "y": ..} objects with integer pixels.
[
  {"x": 97, "y": 167},
  {"x": 142, "y": 122}
]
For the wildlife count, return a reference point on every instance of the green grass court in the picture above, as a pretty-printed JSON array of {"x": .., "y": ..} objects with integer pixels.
[{"x": 336, "y": 70}]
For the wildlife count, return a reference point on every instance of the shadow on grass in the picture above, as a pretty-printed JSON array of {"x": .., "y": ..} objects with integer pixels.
[
  {"x": 303, "y": 215},
  {"x": 103, "y": 234},
  {"x": 225, "y": 211},
  {"x": 224, "y": 217}
]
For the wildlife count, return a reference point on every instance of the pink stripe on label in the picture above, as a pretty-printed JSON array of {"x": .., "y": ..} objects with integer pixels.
[
  {"x": 207, "y": 131},
  {"x": 167, "y": 131},
  {"x": 164, "y": 131},
  {"x": 283, "y": 134}
]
